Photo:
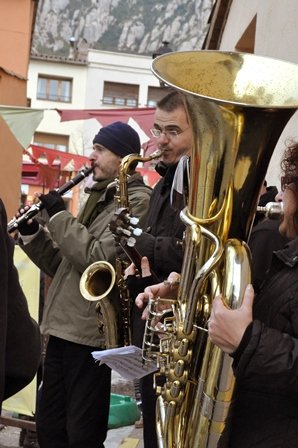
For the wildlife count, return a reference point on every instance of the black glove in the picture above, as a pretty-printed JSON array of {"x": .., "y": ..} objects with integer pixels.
[
  {"x": 138, "y": 284},
  {"x": 28, "y": 229},
  {"x": 52, "y": 202},
  {"x": 24, "y": 227}
]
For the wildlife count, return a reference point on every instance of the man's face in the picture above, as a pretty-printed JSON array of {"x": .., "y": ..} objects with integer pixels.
[
  {"x": 106, "y": 164},
  {"x": 175, "y": 138}
]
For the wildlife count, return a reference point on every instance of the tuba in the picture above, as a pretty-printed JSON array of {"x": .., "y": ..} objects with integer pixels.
[
  {"x": 238, "y": 105},
  {"x": 98, "y": 279}
]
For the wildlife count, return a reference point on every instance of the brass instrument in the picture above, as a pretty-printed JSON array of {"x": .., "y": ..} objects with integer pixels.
[
  {"x": 272, "y": 210},
  {"x": 124, "y": 226},
  {"x": 238, "y": 105},
  {"x": 36, "y": 208},
  {"x": 96, "y": 283},
  {"x": 98, "y": 279},
  {"x": 125, "y": 230}
]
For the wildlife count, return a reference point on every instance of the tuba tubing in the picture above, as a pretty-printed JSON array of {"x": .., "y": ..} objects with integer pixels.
[{"x": 238, "y": 105}]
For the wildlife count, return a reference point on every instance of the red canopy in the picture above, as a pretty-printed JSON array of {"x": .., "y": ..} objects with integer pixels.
[
  {"x": 50, "y": 167},
  {"x": 142, "y": 115},
  {"x": 53, "y": 157}
]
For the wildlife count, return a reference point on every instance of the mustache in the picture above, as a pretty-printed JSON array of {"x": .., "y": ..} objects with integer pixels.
[{"x": 164, "y": 147}]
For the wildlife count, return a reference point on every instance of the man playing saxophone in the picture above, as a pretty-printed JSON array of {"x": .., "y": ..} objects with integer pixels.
[
  {"x": 161, "y": 243},
  {"x": 74, "y": 406}
]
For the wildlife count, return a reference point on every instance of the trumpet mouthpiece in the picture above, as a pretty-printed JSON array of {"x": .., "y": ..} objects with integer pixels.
[{"x": 272, "y": 210}]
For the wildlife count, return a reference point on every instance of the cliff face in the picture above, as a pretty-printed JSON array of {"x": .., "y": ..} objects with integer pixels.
[{"x": 131, "y": 26}]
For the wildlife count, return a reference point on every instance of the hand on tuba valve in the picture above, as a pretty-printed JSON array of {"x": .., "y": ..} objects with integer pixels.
[{"x": 161, "y": 299}]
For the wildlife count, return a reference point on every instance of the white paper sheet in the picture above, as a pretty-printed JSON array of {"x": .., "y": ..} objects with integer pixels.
[{"x": 127, "y": 361}]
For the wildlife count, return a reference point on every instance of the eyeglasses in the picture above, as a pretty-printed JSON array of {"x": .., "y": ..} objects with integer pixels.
[
  {"x": 170, "y": 133},
  {"x": 286, "y": 181}
]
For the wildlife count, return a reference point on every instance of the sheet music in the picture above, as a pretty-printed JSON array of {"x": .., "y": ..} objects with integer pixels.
[{"x": 127, "y": 361}]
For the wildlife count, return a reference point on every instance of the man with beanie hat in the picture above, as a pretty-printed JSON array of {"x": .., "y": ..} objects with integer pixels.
[
  {"x": 120, "y": 138},
  {"x": 74, "y": 406}
]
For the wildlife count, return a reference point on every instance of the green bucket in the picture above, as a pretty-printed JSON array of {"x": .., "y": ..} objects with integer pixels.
[{"x": 123, "y": 411}]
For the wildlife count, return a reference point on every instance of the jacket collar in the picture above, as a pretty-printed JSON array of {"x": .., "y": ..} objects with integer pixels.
[
  {"x": 168, "y": 173},
  {"x": 108, "y": 187},
  {"x": 289, "y": 255}
]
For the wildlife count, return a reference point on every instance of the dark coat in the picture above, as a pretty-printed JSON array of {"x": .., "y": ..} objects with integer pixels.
[
  {"x": 264, "y": 413},
  {"x": 161, "y": 243},
  {"x": 20, "y": 342},
  {"x": 162, "y": 240},
  {"x": 264, "y": 239}
]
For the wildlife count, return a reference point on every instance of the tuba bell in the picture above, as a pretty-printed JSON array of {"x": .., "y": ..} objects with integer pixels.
[{"x": 238, "y": 105}]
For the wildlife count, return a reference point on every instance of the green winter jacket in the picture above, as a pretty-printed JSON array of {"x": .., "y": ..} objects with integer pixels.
[{"x": 66, "y": 250}]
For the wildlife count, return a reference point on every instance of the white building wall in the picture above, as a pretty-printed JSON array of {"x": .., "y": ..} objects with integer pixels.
[
  {"x": 88, "y": 87},
  {"x": 276, "y": 37},
  {"x": 51, "y": 122},
  {"x": 119, "y": 68}
]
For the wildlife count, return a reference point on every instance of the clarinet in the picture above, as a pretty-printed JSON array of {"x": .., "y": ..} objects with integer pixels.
[{"x": 36, "y": 208}]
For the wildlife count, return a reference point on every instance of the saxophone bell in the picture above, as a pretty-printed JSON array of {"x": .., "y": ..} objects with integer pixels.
[{"x": 96, "y": 282}]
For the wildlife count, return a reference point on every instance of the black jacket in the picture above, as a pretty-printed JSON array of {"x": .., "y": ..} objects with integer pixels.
[
  {"x": 20, "y": 343},
  {"x": 162, "y": 240},
  {"x": 264, "y": 412},
  {"x": 161, "y": 243},
  {"x": 264, "y": 239}
]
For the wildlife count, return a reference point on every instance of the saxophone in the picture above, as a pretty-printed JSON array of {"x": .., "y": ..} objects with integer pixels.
[
  {"x": 238, "y": 105},
  {"x": 98, "y": 279},
  {"x": 124, "y": 228}
]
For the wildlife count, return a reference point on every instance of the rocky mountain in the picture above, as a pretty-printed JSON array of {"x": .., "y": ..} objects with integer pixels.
[{"x": 131, "y": 26}]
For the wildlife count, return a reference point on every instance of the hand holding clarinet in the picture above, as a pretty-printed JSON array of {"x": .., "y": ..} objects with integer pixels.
[{"x": 52, "y": 202}]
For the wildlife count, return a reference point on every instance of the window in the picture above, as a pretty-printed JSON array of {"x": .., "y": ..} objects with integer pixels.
[
  {"x": 54, "y": 89},
  {"x": 119, "y": 94},
  {"x": 51, "y": 141},
  {"x": 154, "y": 95}
]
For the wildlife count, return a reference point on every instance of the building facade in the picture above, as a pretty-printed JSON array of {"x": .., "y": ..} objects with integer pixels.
[
  {"x": 94, "y": 81},
  {"x": 16, "y": 26},
  {"x": 104, "y": 80}
]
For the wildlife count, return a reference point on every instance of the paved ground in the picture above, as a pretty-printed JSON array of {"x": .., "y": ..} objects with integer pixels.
[{"x": 124, "y": 437}]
